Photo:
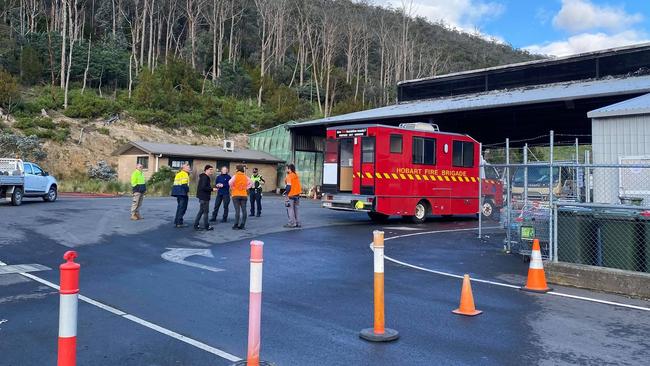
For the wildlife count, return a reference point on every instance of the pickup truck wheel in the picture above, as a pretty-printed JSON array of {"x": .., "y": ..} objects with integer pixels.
[
  {"x": 17, "y": 196},
  {"x": 378, "y": 217},
  {"x": 51, "y": 195}
]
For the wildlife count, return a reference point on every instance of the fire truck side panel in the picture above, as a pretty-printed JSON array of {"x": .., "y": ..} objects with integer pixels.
[{"x": 395, "y": 168}]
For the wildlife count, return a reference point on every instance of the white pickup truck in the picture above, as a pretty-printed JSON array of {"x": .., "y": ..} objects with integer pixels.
[{"x": 20, "y": 179}]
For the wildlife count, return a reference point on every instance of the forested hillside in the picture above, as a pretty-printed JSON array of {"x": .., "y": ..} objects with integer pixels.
[{"x": 218, "y": 65}]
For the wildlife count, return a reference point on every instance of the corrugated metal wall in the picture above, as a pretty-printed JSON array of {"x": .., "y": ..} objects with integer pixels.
[
  {"x": 613, "y": 138},
  {"x": 277, "y": 142}
]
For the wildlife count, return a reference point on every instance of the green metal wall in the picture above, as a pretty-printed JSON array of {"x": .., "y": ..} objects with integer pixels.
[{"x": 277, "y": 142}]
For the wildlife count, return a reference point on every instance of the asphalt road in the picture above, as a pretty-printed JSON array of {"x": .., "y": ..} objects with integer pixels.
[{"x": 317, "y": 293}]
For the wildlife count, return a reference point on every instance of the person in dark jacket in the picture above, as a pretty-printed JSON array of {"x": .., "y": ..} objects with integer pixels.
[
  {"x": 203, "y": 192},
  {"x": 223, "y": 195}
]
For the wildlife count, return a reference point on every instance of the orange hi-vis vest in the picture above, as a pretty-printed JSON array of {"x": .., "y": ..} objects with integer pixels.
[{"x": 240, "y": 186}]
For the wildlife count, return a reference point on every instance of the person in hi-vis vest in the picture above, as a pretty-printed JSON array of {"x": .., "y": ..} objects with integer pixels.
[
  {"x": 239, "y": 185},
  {"x": 256, "y": 192},
  {"x": 180, "y": 190},
  {"x": 292, "y": 192}
]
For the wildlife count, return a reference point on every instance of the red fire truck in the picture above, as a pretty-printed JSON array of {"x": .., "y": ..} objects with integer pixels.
[{"x": 412, "y": 170}]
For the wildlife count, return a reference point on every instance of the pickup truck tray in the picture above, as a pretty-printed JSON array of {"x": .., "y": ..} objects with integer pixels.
[{"x": 9, "y": 180}]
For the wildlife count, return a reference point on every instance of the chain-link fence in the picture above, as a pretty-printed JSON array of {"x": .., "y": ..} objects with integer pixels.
[{"x": 581, "y": 212}]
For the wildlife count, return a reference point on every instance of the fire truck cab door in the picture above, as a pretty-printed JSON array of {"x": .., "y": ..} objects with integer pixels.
[{"x": 364, "y": 164}]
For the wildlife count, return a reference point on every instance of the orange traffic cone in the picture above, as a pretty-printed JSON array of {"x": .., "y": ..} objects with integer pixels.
[
  {"x": 466, "y": 300},
  {"x": 536, "y": 278}
]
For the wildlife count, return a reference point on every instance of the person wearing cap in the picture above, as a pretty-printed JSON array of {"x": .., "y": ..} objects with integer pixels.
[
  {"x": 255, "y": 192},
  {"x": 292, "y": 196},
  {"x": 223, "y": 195},
  {"x": 239, "y": 185},
  {"x": 139, "y": 187},
  {"x": 203, "y": 192}
]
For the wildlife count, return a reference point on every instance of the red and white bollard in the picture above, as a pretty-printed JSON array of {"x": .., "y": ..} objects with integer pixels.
[
  {"x": 69, "y": 292},
  {"x": 255, "y": 306}
]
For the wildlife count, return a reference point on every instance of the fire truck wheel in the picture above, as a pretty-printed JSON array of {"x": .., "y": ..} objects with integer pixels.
[
  {"x": 378, "y": 217},
  {"x": 488, "y": 209},
  {"x": 421, "y": 210}
]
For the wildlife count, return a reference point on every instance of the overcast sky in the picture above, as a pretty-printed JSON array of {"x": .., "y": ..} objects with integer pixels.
[{"x": 553, "y": 27}]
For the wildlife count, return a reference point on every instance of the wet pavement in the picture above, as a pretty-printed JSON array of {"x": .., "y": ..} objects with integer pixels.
[{"x": 317, "y": 292}]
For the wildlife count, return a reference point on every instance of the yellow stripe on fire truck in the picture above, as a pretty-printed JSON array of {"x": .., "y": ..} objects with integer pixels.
[{"x": 433, "y": 178}]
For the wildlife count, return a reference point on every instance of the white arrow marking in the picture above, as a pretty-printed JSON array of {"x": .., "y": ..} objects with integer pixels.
[{"x": 178, "y": 255}]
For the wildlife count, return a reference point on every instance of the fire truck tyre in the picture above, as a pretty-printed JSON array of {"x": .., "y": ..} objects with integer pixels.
[
  {"x": 378, "y": 217},
  {"x": 17, "y": 197},
  {"x": 51, "y": 195},
  {"x": 421, "y": 210},
  {"x": 488, "y": 210}
]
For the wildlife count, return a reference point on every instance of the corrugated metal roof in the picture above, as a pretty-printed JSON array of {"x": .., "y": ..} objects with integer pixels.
[
  {"x": 496, "y": 99},
  {"x": 638, "y": 105},
  {"x": 197, "y": 151},
  {"x": 550, "y": 60}
]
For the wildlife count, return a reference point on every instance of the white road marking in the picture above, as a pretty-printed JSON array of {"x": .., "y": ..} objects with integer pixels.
[
  {"x": 178, "y": 255},
  {"x": 401, "y": 228},
  {"x": 22, "y": 268},
  {"x": 135, "y": 319},
  {"x": 555, "y": 293}
]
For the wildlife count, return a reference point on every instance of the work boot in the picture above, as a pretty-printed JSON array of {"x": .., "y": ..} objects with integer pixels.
[{"x": 134, "y": 217}]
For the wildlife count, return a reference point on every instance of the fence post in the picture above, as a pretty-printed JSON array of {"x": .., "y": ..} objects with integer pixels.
[
  {"x": 550, "y": 197},
  {"x": 587, "y": 182},
  {"x": 577, "y": 172},
  {"x": 525, "y": 174},
  {"x": 508, "y": 201},
  {"x": 68, "y": 297},
  {"x": 554, "y": 257},
  {"x": 481, "y": 171}
]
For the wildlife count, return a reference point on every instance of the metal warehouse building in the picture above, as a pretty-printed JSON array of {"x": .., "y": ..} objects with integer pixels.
[
  {"x": 519, "y": 101},
  {"x": 621, "y": 135}
]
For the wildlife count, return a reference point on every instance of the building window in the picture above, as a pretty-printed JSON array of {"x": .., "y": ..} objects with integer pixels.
[
  {"x": 221, "y": 163},
  {"x": 144, "y": 160},
  {"x": 395, "y": 144},
  {"x": 463, "y": 154},
  {"x": 368, "y": 150},
  {"x": 424, "y": 151},
  {"x": 177, "y": 163}
]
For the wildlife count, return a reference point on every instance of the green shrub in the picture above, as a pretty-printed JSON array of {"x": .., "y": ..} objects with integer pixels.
[
  {"x": 48, "y": 98},
  {"x": 164, "y": 175},
  {"x": 61, "y": 135},
  {"x": 154, "y": 117},
  {"x": 104, "y": 131},
  {"x": 89, "y": 105}
]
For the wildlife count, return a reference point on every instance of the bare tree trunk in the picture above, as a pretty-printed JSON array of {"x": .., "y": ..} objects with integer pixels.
[
  {"x": 90, "y": 41},
  {"x": 114, "y": 19},
  {"x": 74, "y": 25},
  {"x": 150, "y": 54},
  {"x": 144, "y": 28},
  {"x": 64, "y": 29}
]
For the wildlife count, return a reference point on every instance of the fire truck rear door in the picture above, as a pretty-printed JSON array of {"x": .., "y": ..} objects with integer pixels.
[{"x": 367, "y": 151}]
